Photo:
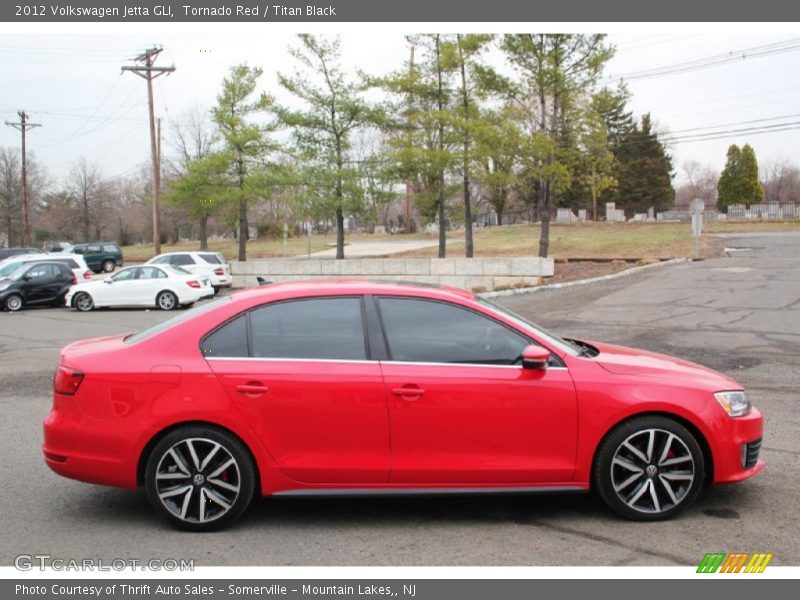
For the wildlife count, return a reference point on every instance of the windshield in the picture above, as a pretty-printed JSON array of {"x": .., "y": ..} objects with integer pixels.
[
  {"x": 551, "y": 338},
  {"x": 185, "y": 316},
  {"x": 9, "y": 269}
]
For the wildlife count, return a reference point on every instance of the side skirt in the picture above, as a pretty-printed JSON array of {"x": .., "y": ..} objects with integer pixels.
[{"x": 422, "y": 491}]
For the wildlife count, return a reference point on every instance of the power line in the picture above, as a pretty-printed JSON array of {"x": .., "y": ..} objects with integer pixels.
[{"x": 790, "y": 45}]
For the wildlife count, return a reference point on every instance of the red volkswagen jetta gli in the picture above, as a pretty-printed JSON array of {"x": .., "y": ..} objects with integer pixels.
[{"x": 358, "y": 388}]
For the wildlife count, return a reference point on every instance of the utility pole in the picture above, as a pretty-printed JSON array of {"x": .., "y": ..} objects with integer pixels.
[
  {"x": 147, "y": 71},
  {"x": 409, "y": 181},
  {"x": 23, "y": 126}
]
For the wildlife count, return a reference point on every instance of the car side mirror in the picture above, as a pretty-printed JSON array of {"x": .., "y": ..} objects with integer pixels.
[
  {"x": 535, "y": 357},
  {"x": 108, "y": 280}
]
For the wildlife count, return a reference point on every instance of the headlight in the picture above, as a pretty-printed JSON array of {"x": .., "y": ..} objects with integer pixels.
[{"x": 736, "y": 404}]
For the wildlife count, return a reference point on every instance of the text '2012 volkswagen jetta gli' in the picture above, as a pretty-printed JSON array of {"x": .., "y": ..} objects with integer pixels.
[{"x": 354, "y": 387}]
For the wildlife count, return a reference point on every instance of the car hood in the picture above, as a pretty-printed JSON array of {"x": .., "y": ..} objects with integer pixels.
[{"x": 622, "y": 360}]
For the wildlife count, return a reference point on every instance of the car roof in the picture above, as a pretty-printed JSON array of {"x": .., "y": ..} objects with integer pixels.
[{"x": 317, "y": 287}]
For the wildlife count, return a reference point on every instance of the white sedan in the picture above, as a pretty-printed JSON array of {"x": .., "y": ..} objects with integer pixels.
[{"x": 165, "y": 287}]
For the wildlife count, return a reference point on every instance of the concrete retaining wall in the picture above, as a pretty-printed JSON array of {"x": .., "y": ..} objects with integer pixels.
[{"x": 483, "y": 274}]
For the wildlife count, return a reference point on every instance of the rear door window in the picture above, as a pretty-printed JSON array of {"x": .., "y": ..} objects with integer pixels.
[
  {"x": 212, "y": 259},
  {"x": 315, "y": 328}
]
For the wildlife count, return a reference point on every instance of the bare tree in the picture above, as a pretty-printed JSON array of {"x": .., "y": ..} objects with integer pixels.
[
  {"x": 781, "y": 181},
  {"x": 194, "y": 137},
  {"x": 85, "y": 184},
  {"x": 701, "y": 182},
  {"x": 10, "y": 190}
]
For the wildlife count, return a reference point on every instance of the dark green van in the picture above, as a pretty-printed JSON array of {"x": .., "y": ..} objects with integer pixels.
[{"x": 100, "y": 256}]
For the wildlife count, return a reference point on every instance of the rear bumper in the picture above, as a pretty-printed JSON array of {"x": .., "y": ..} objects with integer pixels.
[{"x": 71, "y": 444}]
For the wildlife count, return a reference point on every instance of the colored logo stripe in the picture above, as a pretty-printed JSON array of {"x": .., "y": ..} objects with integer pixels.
[{"x": 735, "y": 562}]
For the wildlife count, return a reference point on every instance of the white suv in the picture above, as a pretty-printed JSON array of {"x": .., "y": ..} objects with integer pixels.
[{"x": 210, "y": 264}]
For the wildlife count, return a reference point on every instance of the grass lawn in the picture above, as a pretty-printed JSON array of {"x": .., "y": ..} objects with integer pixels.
[
  {"x": 648, "y": 241},
  {"x": 588, "y": 240},
  {"x": 261, "y": 248}
]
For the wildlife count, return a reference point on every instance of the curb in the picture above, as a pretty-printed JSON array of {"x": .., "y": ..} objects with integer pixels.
[{"x": 558, "y": 286}]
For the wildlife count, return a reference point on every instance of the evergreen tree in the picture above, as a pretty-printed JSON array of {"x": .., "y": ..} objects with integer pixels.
[
  {"x": 643, "y": 171},
  {"x": 333, "y": 109},
  {"x": 245, "y": 142},
  {"x": 554, "y": 73},
  {"x": 738, "y": 183}
]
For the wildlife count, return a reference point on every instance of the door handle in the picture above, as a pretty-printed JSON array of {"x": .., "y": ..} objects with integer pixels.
[
  {"x": 252, "y": 389},
  {"x": 408, "y": 392}
]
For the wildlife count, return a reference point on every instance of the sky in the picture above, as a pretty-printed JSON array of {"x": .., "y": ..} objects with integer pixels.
[{"x": 73, "y": 86}]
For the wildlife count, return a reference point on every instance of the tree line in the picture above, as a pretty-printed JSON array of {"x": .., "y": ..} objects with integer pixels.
[{"x": 469, "y": 123}]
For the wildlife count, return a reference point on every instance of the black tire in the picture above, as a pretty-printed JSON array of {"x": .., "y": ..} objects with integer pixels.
[
  {"x": 217, "y": 288},
  {"x": 208, "y": 494},
  {"x": 83, "y": 302},
  {"x": 14, "y": 303},
  {"x": 671, "y": 469},
  {"x": 167, "y": 300},
  {"x": 107, "y": 266}
]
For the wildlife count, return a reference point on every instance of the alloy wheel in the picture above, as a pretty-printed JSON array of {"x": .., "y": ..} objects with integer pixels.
[
  {"x": 167, "y": 300},
  {"x": 652, "y": 471},
  {"x": 14, "y": 302},
  {"x": 198, "y": 480},
  {"x": 84, "y": 302}
]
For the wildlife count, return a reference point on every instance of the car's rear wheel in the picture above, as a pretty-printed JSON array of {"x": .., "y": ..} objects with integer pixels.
[
  {"x": 200, "y": 478},
  {"x": 83, "y": 302},
  {"x": 107, "y": 266},
  {"x": 649, "y": 468},
  {"x": 14, "y": 302},
  {"x": 167, "y": 300}
]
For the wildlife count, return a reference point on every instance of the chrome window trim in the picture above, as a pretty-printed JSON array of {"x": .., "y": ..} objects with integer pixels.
[{"x": 390, "y": 362}]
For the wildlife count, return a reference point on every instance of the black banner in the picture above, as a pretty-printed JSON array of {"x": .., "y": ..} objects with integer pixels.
[
  {"x": 419, "y": 589},
  {"x": 389, "y": 11}
]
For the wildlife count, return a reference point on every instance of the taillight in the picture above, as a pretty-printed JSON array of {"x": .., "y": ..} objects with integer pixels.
[
  {"x": 74, "y": 279},
  {"x": 193, "y": 283},
  {"x": 87, "y": 274},
  {"x": 67, "y": 381},
  {"x": 219, "y": 271}
]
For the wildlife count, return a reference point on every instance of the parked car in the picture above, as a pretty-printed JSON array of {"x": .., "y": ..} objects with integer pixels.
[
  {"x": 208, "y": 264},
  {"x": 163, "y": 287},
  {"x": 101, "y": 256},
  {"x": 59, "y": 246},
  {"x": 73, "y": 261},
  {"x": 6, "y": 253},
  {"x": 36, "y": 284},
  {"x": 313, "y": 388}
]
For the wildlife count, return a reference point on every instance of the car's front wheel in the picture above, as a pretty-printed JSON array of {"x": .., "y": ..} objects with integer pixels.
[
  {"x": 649, "y": 468},
  {"x": 83, "y": 302},
  {"x": 167, "y": 300},
  {"x": 200, "y": 478}
]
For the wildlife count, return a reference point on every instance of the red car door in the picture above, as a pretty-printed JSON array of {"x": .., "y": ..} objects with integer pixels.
[
  {"x": 460, "y": 411},
  {"x": 308, "y": 387}
]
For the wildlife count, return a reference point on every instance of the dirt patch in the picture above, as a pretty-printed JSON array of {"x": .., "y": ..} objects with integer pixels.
[{"x": 573, "y": 271}]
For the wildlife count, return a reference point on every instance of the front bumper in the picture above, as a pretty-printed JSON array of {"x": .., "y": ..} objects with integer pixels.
[{"x": 736, "y": 432}]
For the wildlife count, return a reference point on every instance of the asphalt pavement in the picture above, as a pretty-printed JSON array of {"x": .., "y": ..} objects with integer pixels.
[{"x": 739, "y": 314}]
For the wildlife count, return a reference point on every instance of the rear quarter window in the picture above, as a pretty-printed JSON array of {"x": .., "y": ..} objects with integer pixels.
[{"x": 211, "y": 259}]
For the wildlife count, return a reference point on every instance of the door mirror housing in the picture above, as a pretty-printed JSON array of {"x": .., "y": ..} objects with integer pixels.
[
  {"x": 108, "y": 280},
  {"x": 535, "y": 357}
]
